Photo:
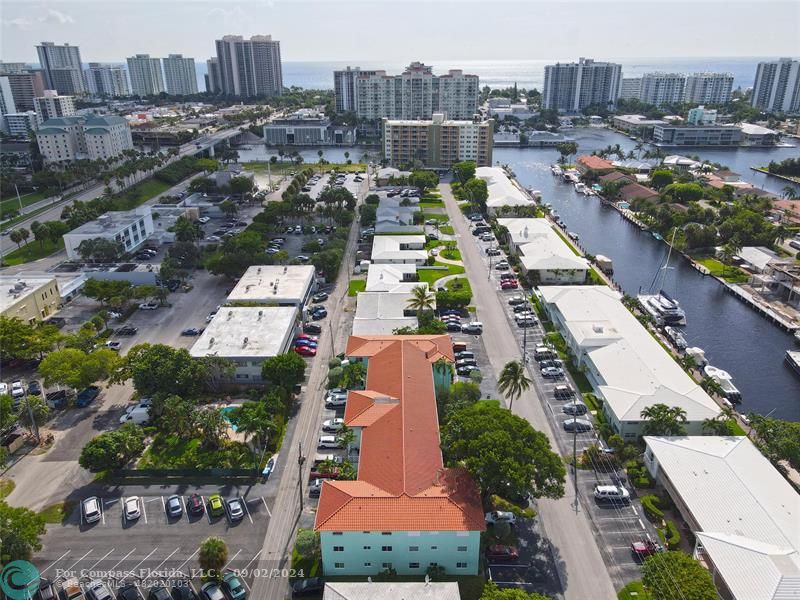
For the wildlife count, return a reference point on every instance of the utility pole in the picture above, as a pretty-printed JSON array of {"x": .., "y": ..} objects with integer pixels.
[
  {"x": 18, "y": 198},
  {"x": 34, "y": 425},
  {"x": 300, "y": 460},
  {"x": 330, "y": 329},
  {"x": 574, "y": 461}
]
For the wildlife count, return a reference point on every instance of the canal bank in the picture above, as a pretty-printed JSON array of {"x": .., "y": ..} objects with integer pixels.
[{"x": 735, "y": 337}]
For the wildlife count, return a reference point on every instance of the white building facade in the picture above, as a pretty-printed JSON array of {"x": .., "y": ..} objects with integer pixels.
[
  {"x": 179, "y": 75},
  {"x": 249, "y": 68},
  {"x": 571, "y": 87},
  {"x": 107, "y": 81},
  {"x": 53, "y": 105},
  {"x": 62, "y": 67},
  {"x": 91, "y": 137},
  {"x": 662, "y": 88},
  {"x": 130, "y": 228},
  {"x": 20, "y": 125},
  {"x": 777, "y": 86},
  {"x": 709, "y": 88},
  {"x": 146, "y": 77}
]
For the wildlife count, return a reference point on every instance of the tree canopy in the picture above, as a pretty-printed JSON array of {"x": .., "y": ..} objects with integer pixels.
[
  {"x": 677, "y": 576},
  {"x": 285, "y": 370},
  {"x": 464, "y": 170},
  {"x": 112, "y": 449},
  {"x": 661, "y": 419},
  {"x": 77, "y": 369},
  {"x": 492, "y": 592},
  {"x": 160, "y": 369},
  {"x": 21, "y": 530}
]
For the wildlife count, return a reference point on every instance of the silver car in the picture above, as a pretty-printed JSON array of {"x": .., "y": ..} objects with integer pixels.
[{"x": 235, "y": 509}]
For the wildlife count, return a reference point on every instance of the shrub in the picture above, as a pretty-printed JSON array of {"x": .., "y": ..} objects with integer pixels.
[
  {"x": 670, "y": 536},
  {"x": 651, "y": 503},
  {"x": 507, "y": 506}
]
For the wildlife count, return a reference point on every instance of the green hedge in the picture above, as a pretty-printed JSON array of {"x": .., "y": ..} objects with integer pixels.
[
  {"x": 670, "y": 536},
  {"x": 651, "y": 503}
]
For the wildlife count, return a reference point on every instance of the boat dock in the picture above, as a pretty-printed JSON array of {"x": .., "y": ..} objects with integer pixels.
[{"x": 760, "y": 306}]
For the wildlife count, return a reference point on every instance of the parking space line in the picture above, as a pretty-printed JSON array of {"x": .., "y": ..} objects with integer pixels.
[
  {"x": 131, "y": 572},
  {"x": 252, "y": 559},
  {"x": 188, "y": 559},
  {"x": 247, "y": 510},
  {"x": 101, "y": 560},
  {"x": 138, "y": 589},
  {"x": 207, "y": 511},
  {"x": 79, "y": 560},
  {"x": 163, "y": 506},
  {"x": 102, "y": 511},
  {"x": 124, "y": 518},
  {"x": 183, "y": 503},
  {"x": 232, "y": 559},
  {"x": 55, "y": 561},
  {"x": 144, "y": 510},
  {"x": 640, "y": 523},
  {"x": 166, "y": 559},
  {"x": 267, "y": 507},
  {"x": 121, "y": 559}
]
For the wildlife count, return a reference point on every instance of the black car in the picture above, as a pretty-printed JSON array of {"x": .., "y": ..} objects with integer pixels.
[
  {"x": 306, "y": 587},
  {"x": 466, "y": 370},
  {"x": 46, "y": 590},
  {"x": 194, "y": 504},
  {"x": 312, "y": 328},
  {"x": 454, "y": 326},
  {"x": 127, "y": 331},
  {"x": 129, "y": 592},
  {"x": 192, "y": 331},
  {"x": 319, "y": 313},
  {"x": 321, "y": 297},
  {"x": 183, "y": 591},
  {"x": 34, "y": 389},
  {"x": 158, "y": 593}
]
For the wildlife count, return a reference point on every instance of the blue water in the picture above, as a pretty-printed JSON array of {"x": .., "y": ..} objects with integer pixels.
[{"x": 225, "y": 410}]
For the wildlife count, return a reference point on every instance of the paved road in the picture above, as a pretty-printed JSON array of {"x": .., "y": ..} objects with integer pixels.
[
  {"x": 580, "y": 564},
  {"x": 286, "y": 513}
]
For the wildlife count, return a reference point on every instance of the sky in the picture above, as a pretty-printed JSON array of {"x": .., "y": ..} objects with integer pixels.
[{"x": 391, "y": 30}]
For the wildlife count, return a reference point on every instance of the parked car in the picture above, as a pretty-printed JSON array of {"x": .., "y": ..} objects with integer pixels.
[
  {"x": 148, "y": 306},
  {"x": 467, "y": 370},
  {"x": 181, "y": 590},
  {"x": 86, "y": 396},
  {"x": 129, "y": 591},
  {"x": 552, "y": 372},
  {"x": 192, "y": 331},
  {"x": 91, "y": 511},
  {"x": 46, "y": 591},
  {"x": 34, "y": 388},
  {"x": 112, "y": 345},
  {"x": 644, "y": 548},
  {"x": 328, "y": 442},
  {"x": 466, "y": 362},
  {"x": 575, "y": 408},
  {"x": 194, "y": 504},
  {"x": 563, "y": 391},
  {"x": 333, "y": 425},
  {"x": 308, "y": 586},
  {"x": 312, "y": 328},
  {"x": 305, "y": 342},
  {"x": 211, "y": 316},
  {"x": 472, "y": 328},
  {"x": 517, "y": 299},
  {"x": 319, "y": 313},
  {"x": 577, "y": 425},
  {"x": 305, "y": 351},
  {"x": 310, "y": 338},
  {"x": 499, "y": 516},
  {"x": 97, "y": 590},
  {"x": 611, "y": 493},
  {"x": 509, "y": 284},
  {"x": 235, "y": 509},
  {"x": 127, "y": 330},
  {"x": 211, "y": 591},
  {"x": 320, "y": 297},
  {"x": 132, "y": 508},
  {"x": 72, "y": 590},
  {"x": 502, "y": 553},
  {"x": 333, "y": 400},
  {"x": 454, "y": 326},
  {"x": 233, "y": 587},
  {"x": 158, "y": 592},
  {"x": 493, "y": 252},
  {"x": 174, "y": 506},
  {"x": 215, "y": 506},
  {"x": 464, "y": 355},
  {"x": 17, "y": 389},
  {"x": 502, "y": 266},
  {"x": 203, "y": 220}
]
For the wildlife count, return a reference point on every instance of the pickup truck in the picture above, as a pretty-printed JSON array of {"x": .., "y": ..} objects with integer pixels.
[{"x": 85, "y": 397}]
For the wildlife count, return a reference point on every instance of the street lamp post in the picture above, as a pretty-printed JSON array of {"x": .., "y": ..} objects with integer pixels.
[{"x": 300, "y": 460}]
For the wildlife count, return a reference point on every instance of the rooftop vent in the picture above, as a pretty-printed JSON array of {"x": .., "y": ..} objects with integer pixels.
[
  {"x": 211, "y": 342},
  {"x": 260, "y": 314},
  {"x": 597, "y": 328},
  {"x": 244, "y": 342},
  {"x": 230, "y": 314}
]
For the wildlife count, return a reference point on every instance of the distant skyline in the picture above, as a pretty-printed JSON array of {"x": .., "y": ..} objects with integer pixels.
[{"x": 390, "y": 30}]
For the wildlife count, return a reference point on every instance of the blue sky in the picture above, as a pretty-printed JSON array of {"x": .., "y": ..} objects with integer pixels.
[{"x": 110, "y": 30}]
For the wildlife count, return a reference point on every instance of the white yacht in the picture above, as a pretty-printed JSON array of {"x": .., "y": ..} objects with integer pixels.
[
  {"x": 579, "y": 187},
  {"x": 725, "y": 381},
  {"x": 663, "y": 308},
  {"x": 793, "y": 359},
  {"x": 556, "y": 170},
  {"x": 675, "y": 337}
]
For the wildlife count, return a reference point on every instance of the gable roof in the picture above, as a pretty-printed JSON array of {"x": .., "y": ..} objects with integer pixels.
[
  {"x": 615, "y": 176},
  {"x": 635, "y": 190},
  {"x": 402, "y": 482},
  {"x": 595, "y": 163}
]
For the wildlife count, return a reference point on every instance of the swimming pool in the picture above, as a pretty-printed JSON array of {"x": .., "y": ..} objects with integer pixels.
[{"x": 225, "y": 410}]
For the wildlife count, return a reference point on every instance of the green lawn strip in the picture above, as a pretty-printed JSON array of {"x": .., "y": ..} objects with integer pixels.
[
  {"x": 355, "y": 286},
  {"x": 459, "y": 284},
  {"x": 451, "y": 254},
  {"x": 139, "y": 194},
  {"x": 287, "y": 167},
  {"x": 432, "y": 275},
  {"x": 6, "y": 487},
  {"x": 432, "y": 205},
  {"x": 567, "y": 242},
  {"x": 172, "y": 452},
  {"x": 447, "y": 229},
  {"x": 435, "y": 216},
  {"x": 32, "y": 251},
  {"x": 12, "y": 202},
  {"x": 58, "y": 512},
  {"x": 719, "y": 269},
  {"x": 634, "y": 591},
  {"x": 309, "y": 567}
]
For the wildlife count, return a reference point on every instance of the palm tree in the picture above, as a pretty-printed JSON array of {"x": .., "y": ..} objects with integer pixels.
[
  {"x": 422, "y": 299},
  {"x": 712, "y": 386},
  {"x": 721, "y": 424},
  {"x": 213, "y": 555},
  {"x": 661, "y": 419},
  {"x": 212, "y": 426},
  {"x": 789, "y": 192},
  {"x": 513, "y": 381},
  {"x": 253, "y": 421}
]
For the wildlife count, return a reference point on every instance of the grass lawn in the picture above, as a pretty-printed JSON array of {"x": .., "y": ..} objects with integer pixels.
[
  {"x": 58, "y": 512},
  {"x": 425, "y": 204},
  {"x": 139, "y": 193},
  {"x": 447, "y": 229},
  {"x": 435, "y": 216},
  {"x": 172, "y": 452},
  {"x": 356, "y": 285},
  {"x": 634, "y": 591},
  {"x": 451, "y": 254},
  {"x": 12, "y": 203},
  {"x": 6, "y": 487},
  {"x": 432, "y": 275},
  {"x": 459, "y": 284},
  {"x": 32, "y": 251},
  {"x": 718, "y": 269}
]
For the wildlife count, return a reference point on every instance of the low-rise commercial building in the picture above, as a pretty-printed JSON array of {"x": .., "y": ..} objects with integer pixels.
[
  {"x": 700, "y": 115},
  {"x": 391, "y": 590},
  {"x": 742, "y": 512},
  {"x": 276, "y": 285},
  {"x": 627, "y": 367},
  {"x": 638, "y": 124},
  {"x": 21, "y": 125},
  {"x": 391, "y": 218},
  {"x": 697, "y": 135},
  {"x": 542, "y": 253},
  {"x": 92, "y": 137},
  {"x": 503, "y": 191},
  {"x": 399, "y": 249},
  {"x": 307, "y": 127},
  {"x": 247, "y": 336},
  {"x": 131, "y": 228},
  {"x": 755, "y": 135},
  {"x": 437, "y": 143},
  {"x": 28, "y": 299},
  {"x": 405, "y": 511}
]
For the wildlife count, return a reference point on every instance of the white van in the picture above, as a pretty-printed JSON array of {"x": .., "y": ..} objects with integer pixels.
[
  {"x": 328, "y": 442},
  {"x": 611, "y": 493},
  {"x": 139, "y": 416}
]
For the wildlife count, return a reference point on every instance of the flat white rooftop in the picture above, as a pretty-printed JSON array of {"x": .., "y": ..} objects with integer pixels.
[
  {"x": 112, "y": 221},
  {"x": 540, "y": 246},
  {"x": 247, "y": 332},
  {"x": 388, "y": 247},
  {"x": 633, "y": 370},
  {"x": 749, "y": 515},
  {"x": 380, "y": 313},
  {"x": 392, "y": 590},
  {"x": 14, "y": 288},
  {"x": 502, "y": 191},
  {"x": 391, "y": 278},
  {"x": 274, "y": 284}
]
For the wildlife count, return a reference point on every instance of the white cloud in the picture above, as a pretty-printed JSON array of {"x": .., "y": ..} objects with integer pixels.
[
  {"x": 21, "y": 23},
  {"x": 56, "y": 17},
  {"x": 51, "y": 16}
]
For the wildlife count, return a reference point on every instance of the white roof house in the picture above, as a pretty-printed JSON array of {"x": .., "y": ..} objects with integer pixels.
[
  {"x": 626, "y": 366},
  {"x": 399, "y": 249},
  {"x": 247, "y": 336},
  {"x": 502, "y": 190},
  {"x": 745, "y": 515},
  {"x": 757, "y": 257},
  {"x": 400, "y": 219},
  {"x": 542, "y": 251},
  {"x": 391, "y": 278},
  {"x": 380, "y": 313},
  {"x": 392, "y": 590},
  {"x": 289, "y": 285}
]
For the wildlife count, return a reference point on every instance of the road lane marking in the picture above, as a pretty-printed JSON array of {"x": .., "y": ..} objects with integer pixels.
[
  {"x": 166, "y": 559},
  {"x": 247, "y": 510},
  {"x": 55, "y": 562},
  {"x": 163, "y": 506},
  {"x": 232, "y": 559},
  {"x": 188, "y": 559},
  {"x": 267, "y": 507},
  {"x": 641, "y": 524},
  {"x": 141, "y": 561},
  {"x": 144, "y": 510},
  {"x": 101, "y": 560},
  {"x": 252, "y": 559},
  {"x": 121, "y": 559},
  {"x": 79, "y": 560},
  {"x": 183, "y": 503}
]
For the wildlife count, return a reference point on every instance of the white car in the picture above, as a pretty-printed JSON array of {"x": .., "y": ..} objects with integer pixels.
[
  {"x": 203, "y": 220},
  {"x": 333, "y": 424},
  {"x": 148, "y": 306},
  {"x": 3, "y": 388},
  {"x": 17, "y": 391},
  {"x": 213, "y": 238},
  {"x": 211, "y": 316},
  {"x": 132, "y": 510},
  {"x": 499, "y": 516},
  {"x": 336, "y": 400}
]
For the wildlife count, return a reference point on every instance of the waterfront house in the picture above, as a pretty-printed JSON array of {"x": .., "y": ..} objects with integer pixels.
[
  {"x": 632, "y": 191},
  {"x": 503, "y": 191},
  {"x": 587, "y": 163},
  {"x": 405, "y": 511}
]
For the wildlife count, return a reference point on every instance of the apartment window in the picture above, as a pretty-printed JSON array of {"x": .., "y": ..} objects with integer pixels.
[
  {"x": 367, "y": 547},
  {"x": 341, "y": 565},
  {"x": 367, "y": 564},
  {"x": 434, "y": 547},
  {"x": 386, "y": 565},
  {"x": 386, "y": 548},
  {"x": 338, "y": 548},
  {"x": 433, "y": 564},
  {"x": 414, "y": 565},
  {"x": 337, "y": 533},
  {"x": 461, "y": 565},
  {"x": 462, "y": 548},
  {"x": 413, "y": 548},
  {"x": 386, "y": 533}
]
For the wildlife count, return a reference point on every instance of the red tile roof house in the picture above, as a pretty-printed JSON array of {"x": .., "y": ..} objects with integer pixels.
[
  {"x": 593, "y": 163},
  {"x": 633, "y": 191},
  {"x": 405, "y": 511}
]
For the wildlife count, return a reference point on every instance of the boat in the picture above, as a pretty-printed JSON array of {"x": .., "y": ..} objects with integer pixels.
[
  {"x": 663, "y": 308},
  {"x": 556, "y": 170},
  {"x": 698, "y": 354},
  {"x": 725, "y": 381},
  {"x": 675, "y": 337},
  {"x": 579, "y": 187},
  {"x": 587, "y": 191},
  {"x": 658, "y": 236},
  {"x": 573, "y": 236},
  {"x": 797, "y": 336},
  {"x": 793, "y": 359}
]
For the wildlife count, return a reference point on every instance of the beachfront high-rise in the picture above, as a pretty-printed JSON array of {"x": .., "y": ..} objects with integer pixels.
[
  {"x": 777, "y": 86},
  {"x": 212, "y": 78},
  {"x": 662, "y": 88},
  {"x": 179, "y": 75},
  {"x": 62, "y": 68},
  {"x": 571, "y": 87},
  {"x": 708, "y": 88},
  {"x": 146, "y": 78},
  {"x": 107, "y": 81},
  {"x": 416, "y": 93},
  {"x": 249, "y": 68}
]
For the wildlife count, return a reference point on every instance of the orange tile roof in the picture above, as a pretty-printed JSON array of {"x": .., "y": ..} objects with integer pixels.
[
  {"x": 402, "y": 482},
  {"x": 595, "y": 162}
]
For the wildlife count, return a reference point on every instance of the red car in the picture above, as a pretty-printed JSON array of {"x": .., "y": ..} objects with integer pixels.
[
  {"x": 310, "y": 338},
  {"x": 502, "y": 553},
  {"x": 305, "y": 351},
  {"x": 316, "y": 474},
  {"x": 645, "y": 548},
  {"x": 509, "y": 284}
]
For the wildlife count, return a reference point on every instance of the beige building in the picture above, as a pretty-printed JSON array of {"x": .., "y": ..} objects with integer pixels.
[
  {"x": 28, "y": 298},
  {"x": 438, "y": 143}
]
